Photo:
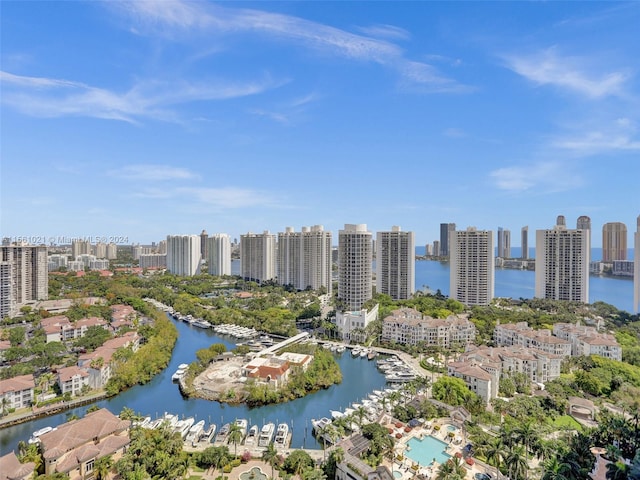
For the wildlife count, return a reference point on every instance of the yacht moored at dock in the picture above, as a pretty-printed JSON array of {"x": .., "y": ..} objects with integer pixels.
[{"x": 266, "y": 434}]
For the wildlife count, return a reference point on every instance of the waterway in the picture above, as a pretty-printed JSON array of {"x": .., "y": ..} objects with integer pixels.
[{"x": 360, "y": 377}]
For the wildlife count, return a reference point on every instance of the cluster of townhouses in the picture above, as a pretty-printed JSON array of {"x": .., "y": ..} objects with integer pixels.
[{"x": 93, "y": 369}]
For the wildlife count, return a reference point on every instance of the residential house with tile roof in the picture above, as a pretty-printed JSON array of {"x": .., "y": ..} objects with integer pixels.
[{"x": 17, "y": 392}]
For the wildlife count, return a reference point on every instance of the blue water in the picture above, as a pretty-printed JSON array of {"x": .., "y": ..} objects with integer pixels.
[
  {"x": 360, "y": 377},
  {"x": 424, "y": 450}
]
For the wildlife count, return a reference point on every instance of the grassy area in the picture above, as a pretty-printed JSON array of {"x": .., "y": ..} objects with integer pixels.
[{"x": 567, "y": 421}]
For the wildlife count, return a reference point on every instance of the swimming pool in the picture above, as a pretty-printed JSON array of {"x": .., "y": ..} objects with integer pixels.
[
  {"x": 424, "y": 450},
  {"x": 452, "y": 428},
  {"x": 397, "y": 474}
]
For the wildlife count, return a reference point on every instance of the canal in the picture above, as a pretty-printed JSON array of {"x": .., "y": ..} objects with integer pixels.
[{"x": 360, "y": 377}]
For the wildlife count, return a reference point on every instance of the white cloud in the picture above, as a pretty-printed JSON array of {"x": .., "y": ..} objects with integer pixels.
[
  {"x": 454, "y": 133},
  {"x": 596, "y": 142},
  {"x": 549, "y": 68},
  {"x": 153, "y": 173},
  {"x": 544, "y": 177},
  {"x": 177, "y": 17},
  {"x": 220, "y": 197},
  {"x": 386, "y": 31},
  {"x": 45, "y": 97}
]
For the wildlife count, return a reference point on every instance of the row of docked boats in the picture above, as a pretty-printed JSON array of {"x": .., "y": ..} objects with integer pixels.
[
  {"x": 191, "y": 431},
  {"x": 258, "y": 344},
  {"x": 180, "y": 372},
  {"x": 368, "y": 409},
  {"x": 364, "y": 352},
  {"x": 395, "y": 370},
  {"x": 254, "y": 436},
  {"x": 334, "y": 347},
  {"x": 235, "y": 330},
  {"x": 196, "y": 322}
]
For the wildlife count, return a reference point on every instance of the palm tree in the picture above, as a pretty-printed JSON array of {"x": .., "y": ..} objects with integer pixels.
[
  {"x": 270, "y": 455},
  {"x": 452, "y": 469},
  {"x": 526, "y": 434},
  {"x": 102, "y": 466},
  {"x": 618, "y": 470},
  {"x": 235, "y": 436},
  {"x": 313, "y": 474},
  {"x": 493, "y": 451},
  {"x": 219, "y": 456},
  {"x": 517, "y": 462},
  {"x": 361, "y": 412}
]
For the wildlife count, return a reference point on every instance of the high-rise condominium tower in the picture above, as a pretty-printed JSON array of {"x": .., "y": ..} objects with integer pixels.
[
  {"x": 354, "y": 266},
  {"x": 504, "y": 243},
  {"x": 183, "y": 254},
  {"x": 304, "y": 258},
  {"x": 23, "y": 276},
  {"x": 395, "y": 263},
  {"x": 614, "y": 241},
  {"x": 204, "y": 245},
  {"x": 562, "y": 263},
  {"x": 219, "y": 254},
  {"x": 446, "y": 230},
  {"x": 472, "y": 266},
  {"x": 525, "y": 243},
  {"x": 583, "y": 223},
  {"x": 80, "y": 247},
  {"x": 258, "y": 256},
  {"x": 636, "y": 268}
]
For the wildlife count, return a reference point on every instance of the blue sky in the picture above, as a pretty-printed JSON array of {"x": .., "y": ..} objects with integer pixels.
[{"x": 143, "y": 119}]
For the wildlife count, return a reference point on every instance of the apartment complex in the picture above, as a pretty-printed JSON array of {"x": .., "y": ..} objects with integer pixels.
[
  {"x": 472, "y": 266},
  {"x": 17, "y": 392},
  {"x": 395, "y": 263},
  {"x": 523, "y": 335},
  {"x": 562, "y": 262},
  {"x": 480, "y": 381},
  {"x": 219, "y": 254},
  {"x": 153, "y": 260},
  {"x": 183, "y": 254},
  {"x": 354, "y": 266},
  {"x": 409, "y": 326},
  {"x": 304, "y": 258},
  {"x": 588, "y": 341},
  {"x": 614, "y": 241},
  {"x": 258, "y": 256},
  {"x": 23, "y": 276}
]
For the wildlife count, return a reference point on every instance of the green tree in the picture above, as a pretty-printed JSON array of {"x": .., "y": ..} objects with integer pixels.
[
  {"x": 102, "y": 467},
  {"x": 235, "y": 436},
  {"x": 270, "y": 455},
  {"x": 297, "y": 462}
]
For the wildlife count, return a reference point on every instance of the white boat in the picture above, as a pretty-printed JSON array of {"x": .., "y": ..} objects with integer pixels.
[
  {"x": 243, "y": 424},
  {"x": 364, "y": 353},
  {"x": 356, "y": 352},
  {"x": 194, "y": 432},
  {"x": 209, "y": 433},
  {"x": 336, "y": 414},
  {"x": 35, "y": 436},
  {"x": 282, "y": 435},
  {"x": 251, "y": 436},
  {"x": 222, "y": 434},
  {"x": 183, "y": 426},
  {"x": 320, "y": 423},
  {"x": 180, "y": 372},
  {"x": 341, "y": 349},
  {"x": 266, "y": 434},
  {"x": 201, "y": 324}
]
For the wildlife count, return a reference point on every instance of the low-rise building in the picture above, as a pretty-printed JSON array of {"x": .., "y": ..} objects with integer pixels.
[
  {"x": 74, "y": 446},
  {"x": 351, "y": 325},
  {"x": 12, "y": 469},
  {"x": 273, "y": 371},
  {"x": 16, "y": 392},
  {"x": 72, "y": 380},
  {"x": 60, "y": 329},
  {"x": 522, "y": 334},
  {"x": 587, "y": 340},
  {"x": 478, "y": 379},
  {"x": 99, "y": 362},
  {"x": 409, "y": 326}
]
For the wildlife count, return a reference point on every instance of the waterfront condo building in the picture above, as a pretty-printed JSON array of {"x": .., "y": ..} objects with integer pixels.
[
  {"x": 636, "y": 268},
  {"x": 525, "y": 243},
  {"x": 395, "y": 263},
  {"x": 471, "y": 278},
  {"x": 304, "y": 258},
  {"x": 183, "y": 254},
  {"x": 562, "y": 263},
  {"x": 219, "y": 254},
  {"x": 504, "y": 243},
  {"x": 354, "y": 266},
  {"x": 258, "y": 256},
  {"x": 614, "y": 242},
  {"x": 23, "y": 276},
  {"x": 446, "y": 231},
  {"x": 80, "y": 247}
]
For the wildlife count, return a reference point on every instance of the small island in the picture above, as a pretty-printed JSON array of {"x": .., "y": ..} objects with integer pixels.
[{"x": 274, "y": 375}]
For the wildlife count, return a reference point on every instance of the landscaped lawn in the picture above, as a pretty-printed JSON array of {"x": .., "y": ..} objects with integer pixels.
[{"x": 567, "y": 421}]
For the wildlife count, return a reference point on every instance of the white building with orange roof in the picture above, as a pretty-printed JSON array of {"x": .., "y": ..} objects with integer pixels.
[
  {"x": 72, "y": 380},
  {"x": 479, "y": 380},
  {"x": 16, "y": 392}
]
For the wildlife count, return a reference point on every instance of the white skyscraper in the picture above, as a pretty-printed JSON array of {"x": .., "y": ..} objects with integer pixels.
[
  {"x": 304, "y": 258},
  {"x": 23, "y": 276},
  {"x": 354, "y": 266},
  {"x": 636, "y": 268},
  {"x": 80, "y": 247},
  {"x": 472, "y": 266},
  {"x": 258, "y": 256},
  {"x": 562, "y": 263},
  {"x": 183, "y": 254},
  {"x": 395, "y": 263},
  {"x": 219, "y": 254}
]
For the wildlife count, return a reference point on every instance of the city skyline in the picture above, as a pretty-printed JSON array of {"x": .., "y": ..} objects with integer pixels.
[{"x": 131, "y": 119}]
